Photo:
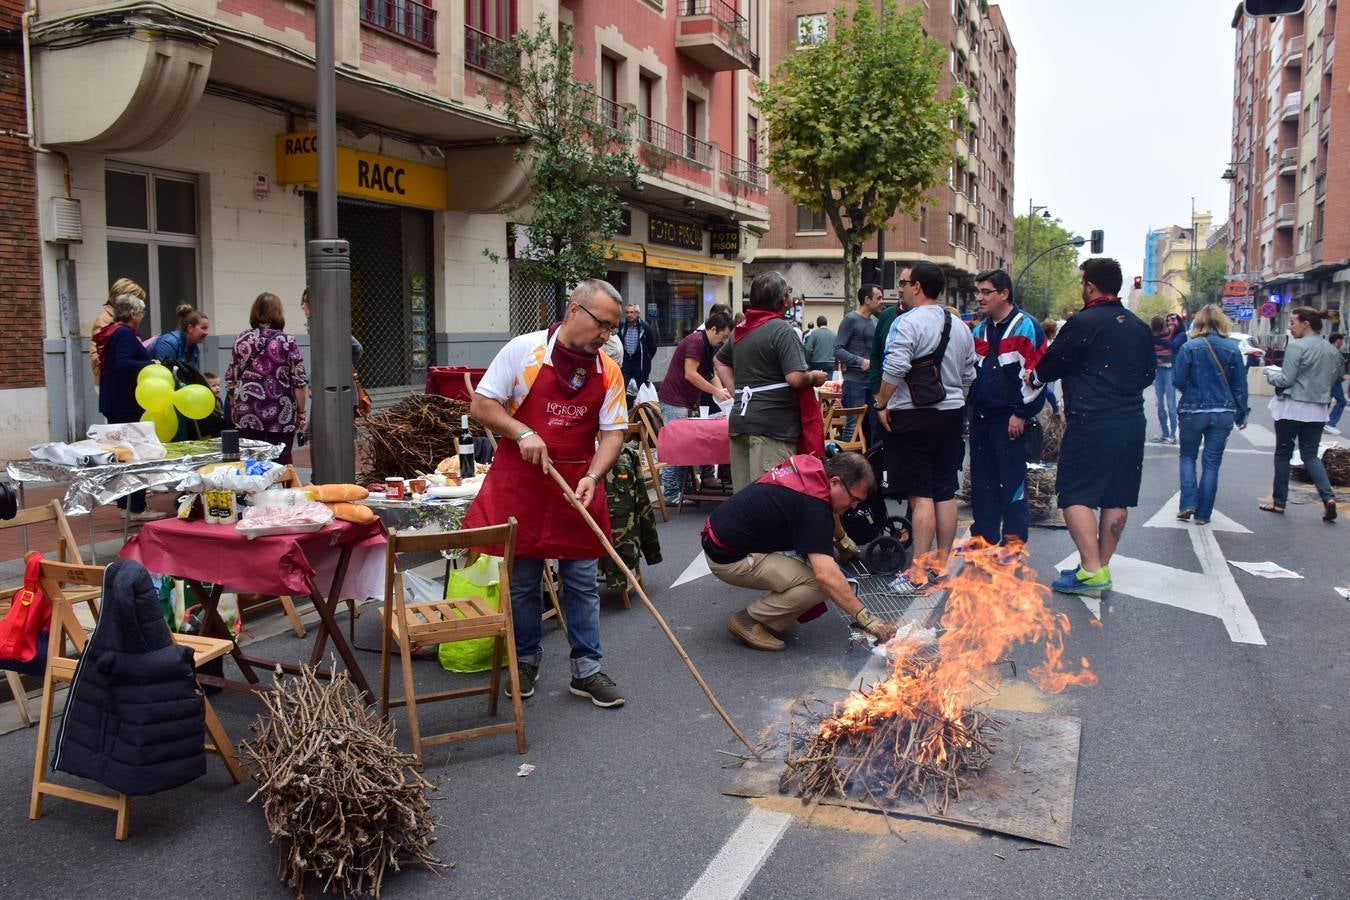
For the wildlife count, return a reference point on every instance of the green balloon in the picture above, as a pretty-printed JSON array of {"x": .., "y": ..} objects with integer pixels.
[
  {"x": 154, "y": 394},
  {"x": 155, "y": 373},
  {"x": 195, "y": 401},
  {"x": 165, "y": 422}
]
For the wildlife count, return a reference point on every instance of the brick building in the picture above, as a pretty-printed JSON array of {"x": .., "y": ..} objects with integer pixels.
[
  {"x": 185, "y": 139},
  {"x": 970, "y": 226},
  {"x": 1289, "y": 218},
  {"x": 21, "y": 375}
]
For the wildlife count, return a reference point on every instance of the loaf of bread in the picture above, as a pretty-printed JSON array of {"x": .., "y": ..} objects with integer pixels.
[
  {"x": 351, "y": 512},
  {"x": 338, "y": 493}
]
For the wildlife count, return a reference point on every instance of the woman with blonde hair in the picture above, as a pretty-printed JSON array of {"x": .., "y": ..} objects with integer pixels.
[
  {"x": 266, "y": 384},
  {"x": 1210, "y": 376},
  {"x": 120, "y": 287}
]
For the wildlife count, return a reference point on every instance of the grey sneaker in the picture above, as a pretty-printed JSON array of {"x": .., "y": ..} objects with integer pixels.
[
  {"x": 528, "y": 675},
  {"x": 600, "y": 688}
]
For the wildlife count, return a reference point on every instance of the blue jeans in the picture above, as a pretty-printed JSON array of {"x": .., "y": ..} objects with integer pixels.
[
  {"x": 1167, "y": 401},
  {"x": 1308, "y": 436},
  {"x": 581, "y": 609},
  {"x": 998, "y": 480},
  {"x": 1337, "y": 407},
  {"x": 859, "y": 393},
  {"x": 672, "y": 477},
  {"x": 1213, "y": 429}
]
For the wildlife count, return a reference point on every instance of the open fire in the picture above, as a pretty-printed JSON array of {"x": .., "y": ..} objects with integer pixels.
[{"x": 919, "y": 732}]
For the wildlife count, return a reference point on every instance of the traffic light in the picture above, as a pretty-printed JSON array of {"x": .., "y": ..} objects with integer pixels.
[
  {"x": 1139, "y": 282},
  {"x": 1273, "y": 7},
  {"x": 1098, "y": 240}
]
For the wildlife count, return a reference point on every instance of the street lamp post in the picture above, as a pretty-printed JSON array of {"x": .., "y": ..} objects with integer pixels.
[
  {"x": 1230, "y": 175},
  {"x": 1032, "y": 209}
]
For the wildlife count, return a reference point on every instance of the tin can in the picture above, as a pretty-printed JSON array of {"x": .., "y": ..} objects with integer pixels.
[
  {"x": 219, "y": 507},
  {"x": 395, "y": 489},
  {"x": 417, "y": 486}
]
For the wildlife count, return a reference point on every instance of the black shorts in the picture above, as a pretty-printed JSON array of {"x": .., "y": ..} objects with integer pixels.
[
  {"x": 924, "y": 449},
  {"x": 1100, "y": 463}
]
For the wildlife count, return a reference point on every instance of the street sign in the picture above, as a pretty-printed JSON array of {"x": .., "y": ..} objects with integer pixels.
[
  {"x": 1236, "y": 289},
  {"x": 1269, "y": 310},
  {"x": 1242, "y": 312}
]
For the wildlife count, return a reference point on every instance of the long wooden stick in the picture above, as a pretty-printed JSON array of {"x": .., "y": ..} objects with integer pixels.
[{"x": 642, "y": 595}]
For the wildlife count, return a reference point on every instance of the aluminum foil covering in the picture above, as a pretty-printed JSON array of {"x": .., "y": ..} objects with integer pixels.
[{"x": 100, "y": 485}]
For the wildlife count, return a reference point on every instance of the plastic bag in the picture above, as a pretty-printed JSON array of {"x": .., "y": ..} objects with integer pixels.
[
  {"x": 138, "y": 437},
  {"x": 479, "y": 579},
  {"x": 646, "y": 393}
]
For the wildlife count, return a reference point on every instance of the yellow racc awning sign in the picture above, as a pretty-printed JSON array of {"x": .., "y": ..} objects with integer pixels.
[{"x": 361, "y": 174}]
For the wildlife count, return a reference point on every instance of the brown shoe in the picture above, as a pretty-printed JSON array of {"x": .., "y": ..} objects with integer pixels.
[{"x": 751, "y": 633}]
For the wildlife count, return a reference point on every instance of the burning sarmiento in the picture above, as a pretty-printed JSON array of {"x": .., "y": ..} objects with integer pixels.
[{"x": 918, "y": 732}]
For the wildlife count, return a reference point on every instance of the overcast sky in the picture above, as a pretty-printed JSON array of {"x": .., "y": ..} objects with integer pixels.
[{"x": 1124, "y": 112}]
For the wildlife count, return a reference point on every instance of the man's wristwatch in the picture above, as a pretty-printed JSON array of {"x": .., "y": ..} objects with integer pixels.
[{"x": 592, "y": 476}]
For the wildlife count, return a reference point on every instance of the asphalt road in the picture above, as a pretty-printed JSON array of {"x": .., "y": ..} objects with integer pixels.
[{"x": 1208, "y": 767}]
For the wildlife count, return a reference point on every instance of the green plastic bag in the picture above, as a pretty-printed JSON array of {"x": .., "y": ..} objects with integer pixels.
[{"x": 476, "y": 580}]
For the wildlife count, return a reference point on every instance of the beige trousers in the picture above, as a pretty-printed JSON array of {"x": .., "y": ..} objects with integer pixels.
[
  {"x": 754, "y": 454},
  {"x": 790, "y": 582}
]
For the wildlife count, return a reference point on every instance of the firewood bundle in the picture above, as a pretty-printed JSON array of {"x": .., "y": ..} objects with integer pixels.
[
  {"x": 1041, "y": 502},
  {"x": 1052, "y": 433},
  {"x": 412, "y": 436},
  {"x": 891, "y": 754},
  {"x": 1337, "y": 463},
  {"x": 342, "y": 803}
]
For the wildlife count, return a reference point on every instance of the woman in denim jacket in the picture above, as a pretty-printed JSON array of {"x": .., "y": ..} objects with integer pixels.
[
  {"x": 1211, "y": 377},
  {"x": 1301, "y": 404}
]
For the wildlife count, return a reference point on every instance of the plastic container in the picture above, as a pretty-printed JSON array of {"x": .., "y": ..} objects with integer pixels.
[{"x": 220, "y": 507}]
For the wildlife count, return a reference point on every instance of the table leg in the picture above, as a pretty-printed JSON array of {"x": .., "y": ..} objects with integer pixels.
[
  {"x": 329, "y": 627},
  {"x": 214, "y": 626}
]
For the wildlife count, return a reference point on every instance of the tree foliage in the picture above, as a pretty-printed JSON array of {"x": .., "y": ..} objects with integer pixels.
[
  {"x": 577, "y": 155},
  {"x": 1052, "y": 286},
  {"x": 855, "y": 122},
  {"x": 1207, "y": 278},
  {"x": 1151, "y": 305}
]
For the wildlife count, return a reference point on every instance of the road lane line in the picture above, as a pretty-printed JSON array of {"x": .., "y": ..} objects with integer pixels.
[
  {"x": 1237, "y": 616},
  {"x": 740, "y": 859}
]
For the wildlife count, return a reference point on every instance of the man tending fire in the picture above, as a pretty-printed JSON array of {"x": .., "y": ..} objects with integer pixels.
[
  {"x": 549, "y": 393},
  {"x": 790, "y": 508}
]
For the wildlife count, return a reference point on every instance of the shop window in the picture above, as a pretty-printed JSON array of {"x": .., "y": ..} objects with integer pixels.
[
  {"x": 152, "y": 239},
  {"x": 674, "y": 304},
  {"x": 810, "y": 220}
]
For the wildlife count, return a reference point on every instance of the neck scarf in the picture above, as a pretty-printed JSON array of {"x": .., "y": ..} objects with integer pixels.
[
  {"x": 753, "y": 319},
  {"x": 570, "y": 367},
  {"x": 1104, "y": 298},
  {"x": 101, "y": 339}
]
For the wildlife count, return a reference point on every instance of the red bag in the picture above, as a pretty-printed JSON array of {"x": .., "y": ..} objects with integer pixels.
[{"x": 23, "y": 631}]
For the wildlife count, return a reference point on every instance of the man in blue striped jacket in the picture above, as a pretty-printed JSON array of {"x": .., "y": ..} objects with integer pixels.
[{"x": 1008, "y": 343}]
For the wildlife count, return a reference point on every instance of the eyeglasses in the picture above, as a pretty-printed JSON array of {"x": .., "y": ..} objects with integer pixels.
[
  {"x": 985, "y": 292},
  {"x": 605, "y": 327},
  {"x": 854, "y": 497},
  {"x": 901, "y": 282}
]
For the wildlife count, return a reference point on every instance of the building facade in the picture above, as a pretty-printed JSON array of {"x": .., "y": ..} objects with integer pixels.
[
  {"x": 1170, "y": 253},
  {"x": 182, "y": 139},
  {"x": 1289, "y": 216},
  {"x": 969, "y": 226}
]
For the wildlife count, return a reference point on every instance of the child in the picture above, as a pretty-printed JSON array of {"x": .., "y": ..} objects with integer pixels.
[{"x": 213, "y": 382}]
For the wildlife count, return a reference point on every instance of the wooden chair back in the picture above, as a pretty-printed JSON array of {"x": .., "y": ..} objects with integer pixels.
[
  {"x": 649, "y": 422},
  {"x": 838, "y": 419},
  {"x": 446, "y": 621},
  {"x": 54, "y": 576}
]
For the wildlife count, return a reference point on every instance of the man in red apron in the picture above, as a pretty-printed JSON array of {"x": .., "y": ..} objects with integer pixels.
[
  {"x": 548, "y": 393},
  {"x": 790, "y": 508}
]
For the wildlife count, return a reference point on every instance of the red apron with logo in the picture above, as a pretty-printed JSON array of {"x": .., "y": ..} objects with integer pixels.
[
  {"x": 803, "y": 473},
  {"x": 546, "y": 524}
]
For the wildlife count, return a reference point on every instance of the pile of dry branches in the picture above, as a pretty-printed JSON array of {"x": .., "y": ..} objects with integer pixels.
[
  {"x": 341, "y": 801},
  {"x": 412, "y": 436},
  {"x": 1041, "y": 492},
  {"x": 1052, "y": 432},
  {"x": 1337, "y": 462},
  {"x": 920, "y": 754}
]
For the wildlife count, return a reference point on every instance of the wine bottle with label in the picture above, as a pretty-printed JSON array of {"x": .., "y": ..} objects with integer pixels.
[{"x": 465, "y": 449}]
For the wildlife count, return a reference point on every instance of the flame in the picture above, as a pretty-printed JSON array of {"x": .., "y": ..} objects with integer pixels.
[{"x": 992, "y": 603}]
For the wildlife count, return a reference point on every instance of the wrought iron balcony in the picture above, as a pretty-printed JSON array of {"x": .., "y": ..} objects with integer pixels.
[
  {"x": 484, "y": 52},
  {"x": 744, "y": 170},
  {"x": 409, "y": 20},
  {"x": 676, "y": 143},
  {"x": 713, "y": 34}
]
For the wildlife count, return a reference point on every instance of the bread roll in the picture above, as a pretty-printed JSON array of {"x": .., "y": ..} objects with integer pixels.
[
  {"x": 338, "y": 493},
  {"x": 351, "y": 512}
]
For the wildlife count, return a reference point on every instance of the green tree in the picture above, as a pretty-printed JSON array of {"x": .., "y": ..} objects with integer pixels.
[
  {"x": 579, "y": 151},
  {"x": 1207, "y": 278},
  {"x": 1151, "y": 305},
  {"x": 855, "y": 124},
  {"x": 1052, "y": 285}
]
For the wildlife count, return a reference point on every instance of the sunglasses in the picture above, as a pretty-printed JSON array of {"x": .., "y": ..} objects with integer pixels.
[{"x": 605, "y": 327}]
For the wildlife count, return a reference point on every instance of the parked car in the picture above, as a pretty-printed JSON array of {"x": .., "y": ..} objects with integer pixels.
[{"x": 1253, "y": 354}]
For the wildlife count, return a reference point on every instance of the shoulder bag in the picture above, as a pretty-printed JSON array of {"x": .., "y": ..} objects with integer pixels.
[{"x": 924, "y": 377}]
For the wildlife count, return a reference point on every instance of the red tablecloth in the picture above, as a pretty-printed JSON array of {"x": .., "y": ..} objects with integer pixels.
[
  {"x": 283, "y": 564},
  {"x": 694, "y": 442}
]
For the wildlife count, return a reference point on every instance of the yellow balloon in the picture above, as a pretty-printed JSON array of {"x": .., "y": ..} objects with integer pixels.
[
  {"x": 154, "y": 394},
  {"x": 195, "y": 401},
  {"x": 165, "y": 421},
  {"x": 153, "y": 372}
]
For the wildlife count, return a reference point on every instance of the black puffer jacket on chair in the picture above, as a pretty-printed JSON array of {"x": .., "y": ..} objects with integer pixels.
[{"x": 135, "y": 719}]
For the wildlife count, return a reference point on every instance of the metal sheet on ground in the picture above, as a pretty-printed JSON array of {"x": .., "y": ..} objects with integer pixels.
[{"x": 1027, "y": 791}]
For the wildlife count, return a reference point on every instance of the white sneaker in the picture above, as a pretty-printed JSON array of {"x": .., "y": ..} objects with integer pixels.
[{"x": 1331, "y": 429}]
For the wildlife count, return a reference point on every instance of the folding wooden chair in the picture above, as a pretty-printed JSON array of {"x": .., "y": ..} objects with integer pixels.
[
  {"x": 835, "y": 423},
  {"x": 649, "y": 422},
  {"x": 444, "y": 621},
  {"x": 61, "y": 670},
  {"x": 67, "y": 550}
]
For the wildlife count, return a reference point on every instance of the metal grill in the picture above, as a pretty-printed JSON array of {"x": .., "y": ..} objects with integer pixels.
[
  {"x": 874, "y": 591},
  {"x": 392, "y": 290},
  {"x": 533, "y": 305}
]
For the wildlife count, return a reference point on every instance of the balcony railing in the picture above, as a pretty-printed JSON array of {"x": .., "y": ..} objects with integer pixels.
[
  {"x": 663, "y": 137},
  {"x": 1293, "y": 51},
  {"x": 484, "y": 51},
  {"x": 745, "y": 171},
  {"x": 1285, "y": 215},
  {"x": 1284, "y": 265},
  {"x": 1291, "y": 105},
  {"x": 1321, "y": 189},
  {"x": 607, "y": 112},
  {"x": 725, "y": 14},
  {"x": 411, "y": 20},
  {"x": 1288, "y": 157}
]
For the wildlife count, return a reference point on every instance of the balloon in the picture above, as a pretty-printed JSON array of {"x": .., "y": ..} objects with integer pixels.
[
  {"x": 165, "y": 421},
  {"x": 195, "y": 401},
  {"x": 154, "y": 394},
  {"x": 153, "y": 373}
]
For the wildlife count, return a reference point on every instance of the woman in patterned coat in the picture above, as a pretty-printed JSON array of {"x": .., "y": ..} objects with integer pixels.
[{"x": 266, "y": 382}]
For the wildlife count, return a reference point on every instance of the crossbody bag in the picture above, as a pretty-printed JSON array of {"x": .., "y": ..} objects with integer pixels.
[
  {"x": 924, "y": 377},
  {"x": 1222, "y": 374}
]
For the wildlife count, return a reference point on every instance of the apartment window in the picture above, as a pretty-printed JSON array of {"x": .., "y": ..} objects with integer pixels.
[
  {"x": 809, "y": 220},
  {"x": 923, "y": 223},
  {"x": 153, "y": 240},
  {"x": 609, "y": 91},
  {"x": 411, "y": 20},
  {"x": 752, "y": 140},
  {"x": 646, "y": 106},
  {"x": 1319, "y": 221},
  {"x": 811, "y": 30},
  {"x": 951, "y": 229},
  {"x": 693, "y": 126},
  {"x": 488, "y": 24}
]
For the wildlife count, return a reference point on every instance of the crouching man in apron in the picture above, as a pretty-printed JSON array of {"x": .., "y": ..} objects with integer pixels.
[{"x": 548, "y": 393}]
